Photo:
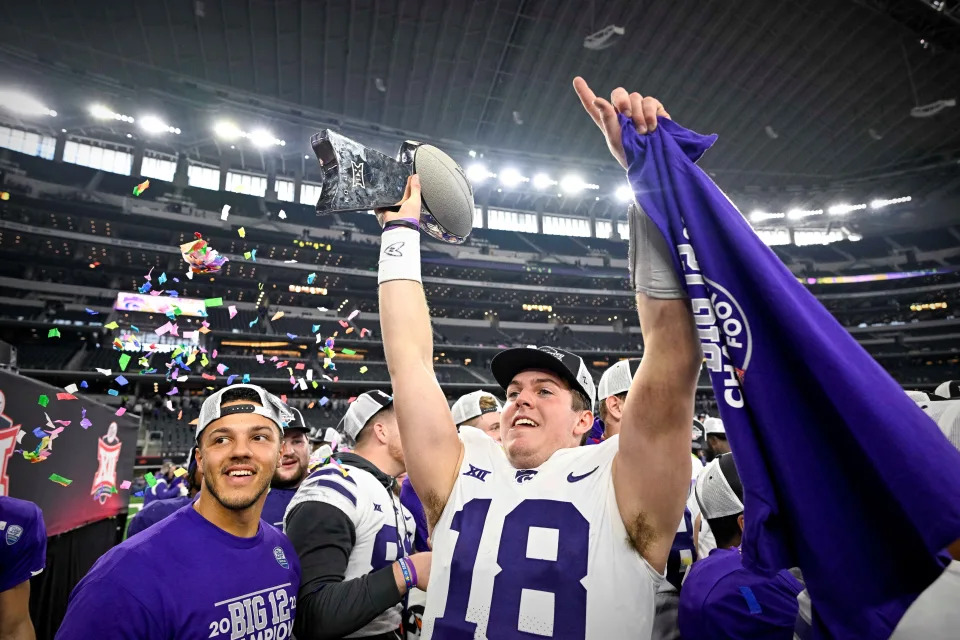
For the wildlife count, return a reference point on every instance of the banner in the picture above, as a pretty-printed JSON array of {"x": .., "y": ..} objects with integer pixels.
[{"x": 72, "y": 453}]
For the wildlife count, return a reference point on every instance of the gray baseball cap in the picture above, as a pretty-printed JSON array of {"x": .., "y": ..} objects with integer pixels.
[
  {"x": 270, "y": 407},
  {"x": 467, "y": 407},
  {"x": 362, "y": 409},
  {"x": 617, "y": 378}
]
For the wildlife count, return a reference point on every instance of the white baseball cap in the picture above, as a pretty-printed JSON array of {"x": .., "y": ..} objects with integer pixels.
[
  {"x": 467, "y": 407},
  {"x": 719, "y": 491},
  {"x": 713, "y": 425},
  {"x": 948, "y": 389},
  {"x": 361, "y": 410},
  {"x": 617, "y": 378},
  {"x": 270, "y": 407}
]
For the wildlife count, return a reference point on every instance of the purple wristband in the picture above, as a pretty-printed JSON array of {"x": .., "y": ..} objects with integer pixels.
[{"x": 413, "y": 570}]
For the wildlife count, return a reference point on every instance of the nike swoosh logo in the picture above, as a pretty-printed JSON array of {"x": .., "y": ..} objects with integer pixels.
[
  {"x": 573, "y": 478},
  {"x": 35, "y": 573}
]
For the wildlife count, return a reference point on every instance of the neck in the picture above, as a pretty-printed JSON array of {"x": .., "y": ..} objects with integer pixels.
[
  {"x": 610, "y": 428},
  {"x": 381, "y": 459},
  {"x": 243, "y": 523}
]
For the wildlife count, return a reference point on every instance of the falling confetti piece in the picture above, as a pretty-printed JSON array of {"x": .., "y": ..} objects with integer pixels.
[
  {"x": 66, "y": 396},
  {"x": 246, "y": 254},
  {"x": 253, "y": 322},
  {"x": 151, "y": 481},
  {"x": 113, "y": 392},
  {"x": 242, "y": 232},
  {"x": 121, "y": 411},
  {"x": 121, "y": 381},
  {"x": 353, "y": 314},
  {"x": 231, "y": 378},
  {"x": 233, "y": 311},
  {"x": 111, "y": 325},
  {"x": 363, "y": 369},
  {"x": 324, "y": 400},
  {"x": 105, "y": 372},
  {"x": 282, "y": 215},
  {"x": 140, "y": 188},
  {"x": 277, "y": 316},
  {"x": 225, "y": 212},
  {"x": 180, "y": 472},
  {"x": 43, "y": 401},
  {"x": 311, "y": 278},
  {"x": 364, "y": 332},
  {"x": 348, "y": 331},
  {"x": 125, "y": 484},
  {"x": 173, "y": 392},
  {"x": 124, "y": 361},
  {"x": 344, "y": 324},
  {"x": 213, "y": 302},
  {"x": 70, "y": 388},
  {"x": 253, "y": 255},
  {"x": 92, "y": 312},
  {"x": 53, "y": 333},
  {"x": 221, "y": 368},
  {"x": 246, "y": 378},
  {"x": 60, "y": 480},
  {"x": 83, "y": 384},
  {"x": 349, "y": 352},
  {"x": 292, "y": 336}
]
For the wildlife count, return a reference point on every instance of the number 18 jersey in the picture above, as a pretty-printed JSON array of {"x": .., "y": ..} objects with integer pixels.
[{"x": 520, "y": 553}]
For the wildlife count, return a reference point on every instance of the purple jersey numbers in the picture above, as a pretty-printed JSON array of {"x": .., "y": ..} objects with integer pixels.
[{"x": 560, "y": 576}]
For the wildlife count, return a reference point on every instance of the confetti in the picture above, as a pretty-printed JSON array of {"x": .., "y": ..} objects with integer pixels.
[
  {"x": 113, "y": 392},
  {"x": 246, "y": 378},
  {"x": 201, "y": 257},
  {"x": 253, "y": 255},
  {"x": 105, "y": 372},
  {"x": 348, "y": 331},
  {"x": 316, "y": 328},
  {"x": 311, "y": 278},
  {"x": 125, "y": 484},
  {"x": 363, "y": 369},
  {"x": 253, "y": 322},
  {"x": 292, "y": 336},
  {"x": 324, "y": 400},
  {"x": 207, "y": 376},
  {"x": 180, "y": 472},
  {"x": 353, "y": 314},
  {"x": 140, "y": 188},
  {"x": 260, "y": 358},
  {"x": 349, "y": 352},
  {"x": 344, "y": 324},
  {"x": 124, "y": 361},
  {"x": 173, "y": 392},
  {"x": 66, "y": 396},
  {"x": 53, "y": 333},
  {"x": 246, "y": 254},
  {"x": 121, "y": 411},
  {"x": 282, "y": 215},
  {"x": 300, "y": 366},
  {"x": 231, "y": 378},
  {"x": 43, "y": 401},
  {"x": 221, "y": 368},
  {"x": 83, "y": 384},
  {"x": 60, "y": 480},
  {"x": 213, "y": 302},
  {"x": 242, "y": 232},
  {"x": 70, "y": 388},
  {"x": 121, "y": 381},
  {"x": 162, "y": 278},
  {"x": 322, "y": 309},
  {"x": 225, "y": 212},
  {"x": 151, "y": 481},
  {"x": 111, "y": 325},
  {"x": 277, "y": 316}
]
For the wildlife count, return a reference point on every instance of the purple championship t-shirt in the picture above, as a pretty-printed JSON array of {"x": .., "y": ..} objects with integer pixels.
[
  {"x": 23, "y": 542},
  {"x": 186, "y": 578},
  {"x": 155, "y": 512},
  {"x": 410, "y": 499},
  {"x": 276, "y": 505},
  {"x": 721, "y": 599}
]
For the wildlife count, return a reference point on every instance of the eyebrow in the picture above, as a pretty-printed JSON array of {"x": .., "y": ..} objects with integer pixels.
[
  {"x": 259, "y": 427},
  {"x": 535, "y": 381}
]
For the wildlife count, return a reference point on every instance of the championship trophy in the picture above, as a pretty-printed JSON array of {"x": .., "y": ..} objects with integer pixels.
[{"x": 358, "y": 178}]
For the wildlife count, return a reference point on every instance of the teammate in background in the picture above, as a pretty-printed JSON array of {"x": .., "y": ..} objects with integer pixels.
[
  {"x": 291, "y": 472},
  {"x": 477, "y": 409},
  {"x": 157, "y": 510},
  {"x": 243, "y": 574},
  {"x": 590, "y": 526},
  {"x": 716, "y": 438},
  {"x": 612, "y": 394},
  {"x": 168, "y": 485},
  {"x": 23, "y": 554},
  {"x": 353, "y": 536},
  {"x": 720, "y": 598}
]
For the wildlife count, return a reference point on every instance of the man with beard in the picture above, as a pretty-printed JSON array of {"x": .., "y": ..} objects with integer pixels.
[
  {"x": 717, "y": 444},
  {"x": 353, "y": 536},
  {"x": 243, "y": 575},
  {"x": 295, "y": 456},
  {"x": 160, "y": 509}
]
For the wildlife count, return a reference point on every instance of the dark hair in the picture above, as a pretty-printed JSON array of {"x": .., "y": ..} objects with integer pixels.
[
  {"x": 602, "y": 405},
  {"x": 240, "y": 393},
  {"x": 580, "y": 400},
  {"x": 726, "y": 530},
  {"x": 362, "y": 434}
]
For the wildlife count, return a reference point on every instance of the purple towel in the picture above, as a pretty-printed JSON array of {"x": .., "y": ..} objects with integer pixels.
[{"x": 844, "y": 476}]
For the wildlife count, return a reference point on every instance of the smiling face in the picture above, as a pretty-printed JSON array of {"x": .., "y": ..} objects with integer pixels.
[
  {"x": 539, "y": 418},
  {"x": 238, "y": 455},
  {"x": 295, "y": 456}
]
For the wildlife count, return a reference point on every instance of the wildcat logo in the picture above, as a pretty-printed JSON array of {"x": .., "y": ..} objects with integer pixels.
[
  {"x": 722, "y": 326},
  {"x": 525, "y": 474},
  {"x": 13, "y": 533},
  {"x": 358, "y": 175}
]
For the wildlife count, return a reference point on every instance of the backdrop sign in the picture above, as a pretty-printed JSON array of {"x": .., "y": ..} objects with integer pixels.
[{"x": 65, "y": 453}]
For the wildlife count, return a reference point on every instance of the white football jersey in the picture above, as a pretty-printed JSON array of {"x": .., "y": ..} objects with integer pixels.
[
  {"x": 536, "y": 551},
  {"x": 384, "y": 527}
]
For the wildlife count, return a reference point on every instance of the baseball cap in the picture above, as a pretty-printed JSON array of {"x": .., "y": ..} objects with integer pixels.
[
  {"x": 947, "y": 416},
  {"x": 564, "y": 364},
  {"x": 718, "y": 490},
  {"x": 918, "y": 396},
  {"x": 298, "y": 423},
  {"x": 617, "y": 378},
  {"x": 270, "y": 407},
  {"x": 949, "y": 389},
  {"x": 467, "y": 407},
  {"x": 699, "y": 436},
  {"x": 713, "y": 425},
  {"x": 362, "y": 409}
]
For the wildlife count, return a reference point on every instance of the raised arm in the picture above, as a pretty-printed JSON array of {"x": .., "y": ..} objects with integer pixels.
[
  {"x": 431, "y": 447},
  {"x": 651, "y": 473}
]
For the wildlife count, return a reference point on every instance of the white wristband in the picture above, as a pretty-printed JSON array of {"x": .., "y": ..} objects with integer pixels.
[{"x": 399, "y": 255}]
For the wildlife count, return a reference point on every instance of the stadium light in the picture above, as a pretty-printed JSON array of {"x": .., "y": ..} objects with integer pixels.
[
  {"x": 797, "y": 214},
  {"x": 760, "y": 216},
  {"x": 542, "y": 181},
  {"x": 24, "y": 104},
  {"x": 101, "y": 112},
  {"x": 510, "y": 177},
  {"x": 879, "y": 204},
  {"x": 572, "y": 184},
  {"x": 477, "y": 173},
  {"x": 227, "y": 130},
  {"x": 840, "y": 209},
  {"x": 624, "y": 193},
  {"x": 153, "y": 124},
  {"x": 263, "y": 138}
]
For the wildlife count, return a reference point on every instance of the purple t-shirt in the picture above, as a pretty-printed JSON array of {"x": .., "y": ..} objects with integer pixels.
[
  {"x": 410, "y": 499},
  {"x": 276, "y": 505},
  {"x": 163, "y": 490},
  {"x": 186, "y": 578},
  {"x": 721, "y": 599},
  {"x": 155, "y": 512},
  {"x": 23, "y": 542}
]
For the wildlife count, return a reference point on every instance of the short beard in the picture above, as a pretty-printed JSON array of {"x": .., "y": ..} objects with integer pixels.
[
  {"x": 240, "y": 505},
  {"x": 291, "y": 483}
]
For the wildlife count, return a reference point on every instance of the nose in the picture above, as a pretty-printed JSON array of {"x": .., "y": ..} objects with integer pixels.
[
  {"x": 286, "y": 448},
  {"x": 241, "y": 448},
  {"x": 525, "y": 398}
]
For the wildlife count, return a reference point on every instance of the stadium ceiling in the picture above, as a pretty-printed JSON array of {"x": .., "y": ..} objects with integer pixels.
[{"x": 801, "y": 92}]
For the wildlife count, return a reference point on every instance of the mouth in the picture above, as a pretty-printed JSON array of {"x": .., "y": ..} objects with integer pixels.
[
  {"x": 287, "y": 464},
  {"x": 240, "y": 475},
  {"x": 523, "y": 422}
]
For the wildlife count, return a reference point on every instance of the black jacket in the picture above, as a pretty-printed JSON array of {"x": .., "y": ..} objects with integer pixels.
[{"x": 329, "y": 607}]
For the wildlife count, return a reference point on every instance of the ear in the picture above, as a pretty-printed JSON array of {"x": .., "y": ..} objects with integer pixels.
[
  {"x": 584, "y": 423},
  {"x": 615, "y": 407},
  {"x": 380, "y": 430},
  {"x": 740, "y": 522}
]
